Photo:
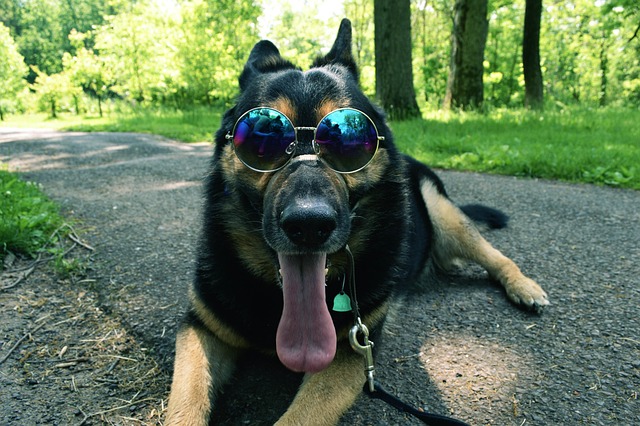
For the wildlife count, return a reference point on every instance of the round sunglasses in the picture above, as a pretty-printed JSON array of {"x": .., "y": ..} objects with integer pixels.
[{"x": 265, "y": 140}]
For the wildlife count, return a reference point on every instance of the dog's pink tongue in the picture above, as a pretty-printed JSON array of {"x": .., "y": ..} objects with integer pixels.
[{"x": 306, "y": 337}]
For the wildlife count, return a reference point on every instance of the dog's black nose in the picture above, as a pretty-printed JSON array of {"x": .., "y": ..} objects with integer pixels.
[{"x": 308, "y": 222}]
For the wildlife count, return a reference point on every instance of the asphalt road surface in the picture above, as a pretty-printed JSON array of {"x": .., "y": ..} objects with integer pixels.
[{"x": 458, "y": 347}]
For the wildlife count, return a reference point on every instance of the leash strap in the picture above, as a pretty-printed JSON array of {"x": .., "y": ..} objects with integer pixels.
[
  {"x": 372, "y": 387},
  {"x": 426, "y": 418}
]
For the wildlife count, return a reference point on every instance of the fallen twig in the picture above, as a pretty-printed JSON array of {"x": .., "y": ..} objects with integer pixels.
[
  {"x": 29, "y": 266},
  {"x": 6, "y": 356},
  {"x": 408, "y": 357},
  {"x": 73, "y": 236},
  {"x": 111, "y": 410},
  {"x": 77, "y": 240},
  {"x": 69, "y": 319},
  {"x": 66, "y": 364},
  {"x": 19, "y": 279}
]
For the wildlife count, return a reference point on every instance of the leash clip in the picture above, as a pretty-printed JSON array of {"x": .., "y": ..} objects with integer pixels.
[{"x": 366, "y": 350}]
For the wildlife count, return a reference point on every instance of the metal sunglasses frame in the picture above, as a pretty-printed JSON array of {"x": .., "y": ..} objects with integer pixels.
[{"x": 291, "y": 149}]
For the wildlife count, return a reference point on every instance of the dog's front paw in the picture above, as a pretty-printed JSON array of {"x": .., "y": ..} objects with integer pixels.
[{"x": 527, "y": 293}]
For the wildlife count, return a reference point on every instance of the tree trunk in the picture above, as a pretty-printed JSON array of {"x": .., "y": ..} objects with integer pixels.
[
  {"x": 465, "y": 88},
  {"x": 53, "y": 109},
  {"x": 533, "y": 96},
  {"x": 604, "y": 69},
  {"x": 512, "y": 72},
  {"x": 394, "y": 74}
]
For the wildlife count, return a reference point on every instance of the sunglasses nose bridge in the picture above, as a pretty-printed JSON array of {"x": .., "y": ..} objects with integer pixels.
[
  {"x": 305, "y": 140},
  {"x": 305, "y": 131}
]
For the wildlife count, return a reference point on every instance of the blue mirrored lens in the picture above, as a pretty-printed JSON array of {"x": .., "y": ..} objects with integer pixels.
[
  {"x": 347, "y": 140},
  {"x": 262, "y": 137}
]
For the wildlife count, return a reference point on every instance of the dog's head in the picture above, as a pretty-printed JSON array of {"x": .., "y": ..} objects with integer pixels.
[{"x": 304, "y": 151}]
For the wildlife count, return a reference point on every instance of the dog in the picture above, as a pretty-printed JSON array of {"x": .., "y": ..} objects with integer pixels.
[{"x": 308, "y": 200}]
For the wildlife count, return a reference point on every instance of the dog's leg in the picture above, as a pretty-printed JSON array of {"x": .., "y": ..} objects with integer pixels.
[
  {"x": 457, "y": 237},
  {"x": 323, "y": 397},
  {"x": 203, "y": 364}
]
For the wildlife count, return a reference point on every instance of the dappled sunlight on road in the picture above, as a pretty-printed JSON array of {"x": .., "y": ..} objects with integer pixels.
[
  {"x": 53, "y": 150},
  {"x": 471, "y": 372}
]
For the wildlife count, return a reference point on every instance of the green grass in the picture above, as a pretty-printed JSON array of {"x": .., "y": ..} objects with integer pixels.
[
  {"x": 600, "y": 146},
  {"x": 27, "y": 217},
  {"x": 197, "y": 125},
  {"x": 577, "y": 145}
]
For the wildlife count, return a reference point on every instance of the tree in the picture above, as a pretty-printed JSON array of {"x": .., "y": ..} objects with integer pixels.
[
  {"x": 360, "y": 12},
  {"x": 589, "y": 55},
  {"x": 630, "y": 9},
  {"x": 304, "y": 46},
  {"x": 41, "y": 27},
  {"x": 53, "y": 90},
  {"x": 10, "y": 15},
  {"x": 533, "y": 97},
  {"x": 622, "y": 16},
  {"x": 216, "y": 36},
  {"x": 42, "y": 39},
  {"x": 503, "y": 55},
  {"x": 394, "y": 74},
  {"x": 138, "y": 46},
  {"x": 430, "y": 49},
  {"x": 88, "y": 70},
  {"x": 465, "y": 87},
  {"x": 12, "y": 70}
]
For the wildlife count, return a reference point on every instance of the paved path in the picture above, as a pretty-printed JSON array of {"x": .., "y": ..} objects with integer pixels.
[{"x": 458, "y": 347}]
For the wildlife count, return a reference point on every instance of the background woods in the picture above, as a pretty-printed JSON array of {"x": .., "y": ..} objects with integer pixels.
[{"x": 75, "y": 55}]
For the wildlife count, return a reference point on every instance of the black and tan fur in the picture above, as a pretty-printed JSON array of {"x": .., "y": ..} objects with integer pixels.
[{"x": 394, "y": 215}]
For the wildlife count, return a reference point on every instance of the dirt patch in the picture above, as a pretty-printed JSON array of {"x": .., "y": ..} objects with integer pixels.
[{"x": 67, "y": 361}]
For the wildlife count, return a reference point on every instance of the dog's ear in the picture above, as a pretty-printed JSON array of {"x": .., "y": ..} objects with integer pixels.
[
  {"x": 340, "y": 53},
  {"x": 264, "y": 58}
]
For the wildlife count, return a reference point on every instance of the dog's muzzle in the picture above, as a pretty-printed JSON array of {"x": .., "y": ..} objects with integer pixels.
[{"x": 309, "y": 222}]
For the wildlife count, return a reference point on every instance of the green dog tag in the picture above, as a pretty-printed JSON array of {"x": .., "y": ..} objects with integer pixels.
[{"x": 341, "y": 303}]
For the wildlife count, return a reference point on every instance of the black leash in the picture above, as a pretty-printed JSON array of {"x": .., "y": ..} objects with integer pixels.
[
  {"x": 372, "y": 387},
  {"x": 426, "y": 418}
]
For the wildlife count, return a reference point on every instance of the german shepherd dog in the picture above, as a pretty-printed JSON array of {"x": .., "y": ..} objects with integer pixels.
[{"x": 306, "y": 191}]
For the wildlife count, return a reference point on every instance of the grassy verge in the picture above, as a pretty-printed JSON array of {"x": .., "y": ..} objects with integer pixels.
[
  {"x": 195, "y": 125},
  {"x": 582, "y": 145},
  {"x": 600, "y": 146},
  {"x": 28, "y": 219}
]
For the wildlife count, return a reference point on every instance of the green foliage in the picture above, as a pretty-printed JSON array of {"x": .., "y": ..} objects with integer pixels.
[
  {"x": 136, "y": 47},
  {"x": 432, "y": 22},
  {"x": 88, "y": 71},
  {"x": 582, "y": 51},
  {"x": 215, "y": 39},
  {"x": 41, "y": 38},
  {"x": 41, "y": 28},
  {"x": 54, "y": 90},
  {"x": 67, "y": 268},
  {"x": 588, "y": 55},
  {"x": 302, "y": 47},
  {"x": 27, "y": 217},
  {"x": 182, "y": 53},
  {"x": 12, "y": 71},
  {"x": 504, "y": 81},
  {"x": 361, "y": 14}
]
